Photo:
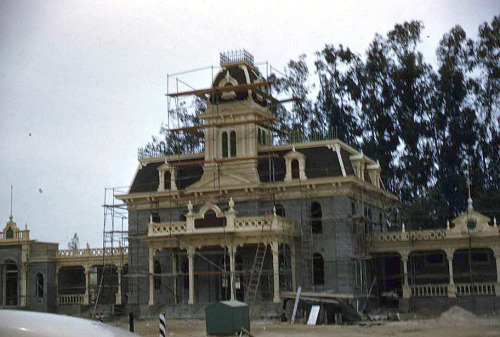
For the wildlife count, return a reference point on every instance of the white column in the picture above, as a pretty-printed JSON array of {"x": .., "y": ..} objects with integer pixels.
[
  {"x": 232, "y": 270},
  {"x": 452, "y": 292},
  {"x": 276, "y": 272},
  {"x": 190, "y": 253},
  {"x": 118, "y": 300},
  {"x": 151, "y": 276},
  {"x": 24, "y": 278},
  {"x": 87, "y": 280},
  {"x": 497, "y": 287},
  {"x": 174, "y": 273},
  {"x": 406, "y": 287},
  {"x": 293, "y": 261}
]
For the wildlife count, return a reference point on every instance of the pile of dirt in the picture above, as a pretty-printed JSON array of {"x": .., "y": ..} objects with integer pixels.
[{"x": 458, "y": 315}]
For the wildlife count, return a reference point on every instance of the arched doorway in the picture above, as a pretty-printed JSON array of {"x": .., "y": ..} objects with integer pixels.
[{"x": 11, "y": 283}]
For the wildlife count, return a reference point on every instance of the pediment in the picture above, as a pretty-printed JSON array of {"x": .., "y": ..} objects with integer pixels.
[
  {"x": 472, "y": 222},
  {"x": 294, "y": 155},
  {"x": 12, "y": 225}
]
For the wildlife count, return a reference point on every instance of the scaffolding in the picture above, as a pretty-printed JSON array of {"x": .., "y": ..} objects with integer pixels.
[
  {"x": 105, "y": 288},
  {"x": 178, "y": 90}
]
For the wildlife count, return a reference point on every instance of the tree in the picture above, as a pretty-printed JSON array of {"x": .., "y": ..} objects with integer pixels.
[
  {"x": 301, "y": 119},
  {"x": 171, "y": 142},
  {"x": 339, "y": 94},
  {"x": 378, "y": 122},
  {"x": 74, "y": 242}
]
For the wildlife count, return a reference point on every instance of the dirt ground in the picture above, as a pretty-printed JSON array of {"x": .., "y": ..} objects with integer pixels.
[{"x": 456, "y": 322}]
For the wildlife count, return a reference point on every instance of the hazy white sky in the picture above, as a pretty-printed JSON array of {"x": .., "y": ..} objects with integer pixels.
[{"x": 82, "y": 83}]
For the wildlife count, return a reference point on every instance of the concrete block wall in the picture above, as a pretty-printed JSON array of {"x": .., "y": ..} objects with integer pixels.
[
  {"x": 47, "y": 303},
  {"x": 335, "y": 244}
]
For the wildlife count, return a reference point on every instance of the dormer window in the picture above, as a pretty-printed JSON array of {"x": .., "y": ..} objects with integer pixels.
[
  {"x": 228, "y": 145},
  {"x": 9, "y": 234},
  {"x": 295, "y": 169},
  {"x": 295, "y": 166},
  {"x": 167, "y": 175}
]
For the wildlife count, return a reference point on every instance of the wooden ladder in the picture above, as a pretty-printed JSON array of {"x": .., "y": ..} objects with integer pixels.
[{"x": 258, "y": 263}]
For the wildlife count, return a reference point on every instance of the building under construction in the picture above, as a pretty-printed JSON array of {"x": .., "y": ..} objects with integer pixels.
[
  {"x": 251, "y": 219},
  {"x": 245, "y": 218}
]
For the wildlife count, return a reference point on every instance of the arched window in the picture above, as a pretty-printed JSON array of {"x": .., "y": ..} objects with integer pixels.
[
  {"x": 167, "y": 177},
  {"x": 315, "y": 216},
  {"x": 280, "y": 210},
  {"x": 225, "y": 152},
  {"x": 10, "y": 282},
  {"x": 39, "y": 285},
  {"x": 233, "y": 143},
  {"x": 318, "y": 269},
  {"x": 295, "y": 169},
  {"x": 9, "y": 234},
  {"x": 157, "y": 270},
  {"x": 155, "y": 217}
]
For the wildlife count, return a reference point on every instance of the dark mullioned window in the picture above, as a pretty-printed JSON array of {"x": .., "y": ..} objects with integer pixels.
[
  {"x": 318, "y": 269},
  {"x": 315, "y": 216}
]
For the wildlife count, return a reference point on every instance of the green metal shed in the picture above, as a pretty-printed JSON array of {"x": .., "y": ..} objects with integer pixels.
[{"x": 227, "y": 317}]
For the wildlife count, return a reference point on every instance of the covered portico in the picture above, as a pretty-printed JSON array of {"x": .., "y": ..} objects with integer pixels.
[
  {"x": 462, "y": 260},
  {"x": 211, "y": 231}
]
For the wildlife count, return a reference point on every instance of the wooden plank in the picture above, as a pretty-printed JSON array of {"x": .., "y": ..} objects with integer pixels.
[
  {"x": 296, "y": 305},
  {"x": 203, "y": 126},
  {"x": 313, "y": 315},
  {"x": 240, "y": 87}
]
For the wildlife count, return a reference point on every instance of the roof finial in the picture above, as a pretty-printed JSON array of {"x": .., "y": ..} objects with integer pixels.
[
  {"x": 11, "y": 189},
  {"x": 470, "y": 208}
]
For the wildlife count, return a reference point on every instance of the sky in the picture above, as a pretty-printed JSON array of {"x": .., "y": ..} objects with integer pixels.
[{"x": 83, "y": 83}]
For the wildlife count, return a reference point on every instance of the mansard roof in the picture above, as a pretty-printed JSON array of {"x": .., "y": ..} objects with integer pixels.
[{"x": 321, "y": 161}]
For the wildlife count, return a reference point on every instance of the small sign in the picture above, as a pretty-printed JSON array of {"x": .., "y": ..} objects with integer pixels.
[{"x": 313, "y": 316}]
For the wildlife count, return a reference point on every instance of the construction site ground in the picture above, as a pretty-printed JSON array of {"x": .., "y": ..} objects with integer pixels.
[{"x": 456, "y": 322}]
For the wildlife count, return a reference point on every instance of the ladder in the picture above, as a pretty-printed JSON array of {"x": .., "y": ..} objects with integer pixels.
[
  {"x": 258, "y": 263},
  {"x": 306, "y": 239}
]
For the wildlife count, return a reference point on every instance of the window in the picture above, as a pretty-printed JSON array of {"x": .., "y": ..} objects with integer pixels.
[
  {"x": 315, "y": 216},
  {"x": 157, "y": 270},
  {"x": 318, "y": 269},
  {"x": 210, "y": 220},
  {"x": 167, "y": 177},
  {"x": 233, "y": 143},
  {"x": 353, "y": 208},
  {"x": 39, "y": 285},
  {"x": 225, "y": 152},
  {"x": 9, "y": 234},
  {"x": 280, "y": 210},
  {"x": 155, "y": 217},
  {"x": 295, "y": 169}
]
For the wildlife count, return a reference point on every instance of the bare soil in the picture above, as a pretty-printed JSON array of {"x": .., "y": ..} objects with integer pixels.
[{"x": 456, "y": 322}]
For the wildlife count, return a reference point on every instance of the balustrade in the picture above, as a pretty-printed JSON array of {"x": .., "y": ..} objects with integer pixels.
[
  {"x": 71, "y": 299},
  {"x": 244, "y": 224},
  {"x": 429, "y": 290},
  {"x": 475, "y": 289},
  {"x": 405, "y": 236},
  {"x": 90, "y": 252}
]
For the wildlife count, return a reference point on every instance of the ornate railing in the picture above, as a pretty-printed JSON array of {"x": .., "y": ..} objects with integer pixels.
[
  {"x": 476, "y": 289},
  {"x": 172, "y": 228},
  {"x": 71, "y": 299},
  {"x": 438, "y": 234},
  {"x": 300, "y": 137},
  {"x": 429, "y": 290},
  {"x": 90, "y": 252},
  {"x": 233, "y": 225},
  {"x": 19, "y": 235},
  {"x": 252, "y": 222}
]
